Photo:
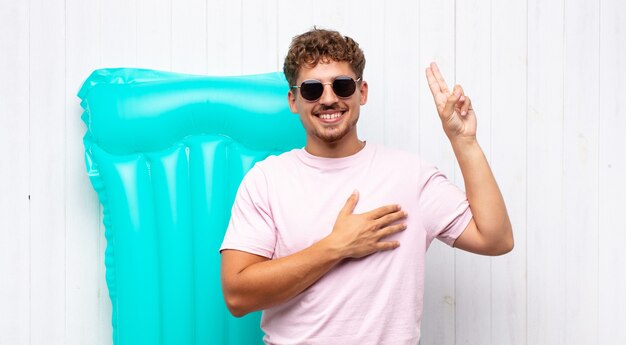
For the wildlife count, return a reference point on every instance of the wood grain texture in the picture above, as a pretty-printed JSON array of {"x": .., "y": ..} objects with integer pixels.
[
  {"x": 580, "y": 175},
  {"x": 259, "y": 34},
  {"x": 189, "y": 36},
  {"x": 402, "y": 69},
  {"x": 47, "y": 177},
  {"x": 84, "y": 259},
  {"x": 15, "y": 245},
  {"x": 545, "y": 77},
  {"x": 437, "y": 43},
  {"x": 154, "y": 34},
  {"x": 118, "y": 33},
  {"x": 224, "y": 37},
  {"x": 612, "y": 169},
  {"x": 508, "y": 161},
  {"x": 545, "y": 213},
  {"x": 473, "y": 65}
]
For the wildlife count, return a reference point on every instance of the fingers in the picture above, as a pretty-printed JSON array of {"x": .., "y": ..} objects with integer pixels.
[
  {"x": 433, "y": 84},
  {"x": 439, "y": 78},
  {"x": 451, "y": 102},
  {"x": 438, "y": 85},
  {"x": 390, "y": 218},
  {"x": 457, "y": 100},
  {"x": 381, "y": 246},
  {"x": 390, "y": 230},
  {"x": 348, "y": 208},
  {"x": 466, "y": 105},
  {"x": 382, "y": 211},
  {"x": 463, "y": 104}
]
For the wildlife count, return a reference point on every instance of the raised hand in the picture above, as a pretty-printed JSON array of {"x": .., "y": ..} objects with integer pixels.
[
  {"x": 359, "y": 235},
  {"x": 454, "y": 107}
]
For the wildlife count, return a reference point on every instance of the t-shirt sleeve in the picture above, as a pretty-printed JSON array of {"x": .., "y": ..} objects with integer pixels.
[
  {"x": 444, "y": 206},
  {"x": 251, "y": 227}
]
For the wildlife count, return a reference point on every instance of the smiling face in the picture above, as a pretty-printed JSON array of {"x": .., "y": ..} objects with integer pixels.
[{"x": 329, "y": 122}]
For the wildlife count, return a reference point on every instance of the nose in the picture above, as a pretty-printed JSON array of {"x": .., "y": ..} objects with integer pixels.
[{"x": 328, "y": 96}]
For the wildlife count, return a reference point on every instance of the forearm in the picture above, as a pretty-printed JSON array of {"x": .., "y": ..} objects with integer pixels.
[
  {"x": 483, "y": 194},
  {"x": 271, "y": 282},
  {"x": 252, "y": 282}
]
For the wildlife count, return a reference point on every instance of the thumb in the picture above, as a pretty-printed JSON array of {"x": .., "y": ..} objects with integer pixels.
[{"x": 348, "y": 208}]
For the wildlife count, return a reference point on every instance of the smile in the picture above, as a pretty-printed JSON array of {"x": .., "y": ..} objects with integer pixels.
[{"x": 331, "y": 117}]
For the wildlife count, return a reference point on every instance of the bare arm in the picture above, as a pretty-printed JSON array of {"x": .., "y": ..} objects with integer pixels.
[
  {"x": 251, "y": 282},
  {"x": 490, "y": 231}
]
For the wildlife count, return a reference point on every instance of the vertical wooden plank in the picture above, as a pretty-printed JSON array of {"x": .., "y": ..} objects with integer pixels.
[
  {"x": 473, "y": 68},
  {"x": 612, "y": 169},
  {"x": 546, "y": 300},
  {"x": 14, "y": 174},
  {"x": 83, "y": 255},
  {"x": 436, "y": 43},
  {"x": 118, "y": 48},
  {"x": 118, "y": 23},
  {"x": 154, "y": 34},
  {"x": 508, "y": 162},
  {"x": 259, "y": 34},
  {"x": 224, "y": 38},
  {"x": 580, "y": 179},
  {"x": 402, "y": 76},
  {"x": 189, "y": 42},
  {"x": 47, "y": 178}
]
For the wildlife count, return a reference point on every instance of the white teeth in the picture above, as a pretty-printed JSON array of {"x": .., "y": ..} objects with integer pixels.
[{"x": 329, "y": 116}]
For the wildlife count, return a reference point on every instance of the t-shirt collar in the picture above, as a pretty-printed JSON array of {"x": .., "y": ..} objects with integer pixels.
[{"x": 324, "y": 163}]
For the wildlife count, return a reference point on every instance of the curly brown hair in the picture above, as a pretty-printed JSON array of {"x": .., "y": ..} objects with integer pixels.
[{"x": 320, "y": 45}]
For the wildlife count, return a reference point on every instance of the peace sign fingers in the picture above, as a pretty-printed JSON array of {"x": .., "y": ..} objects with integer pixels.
[{"x": 436, "y": 82}]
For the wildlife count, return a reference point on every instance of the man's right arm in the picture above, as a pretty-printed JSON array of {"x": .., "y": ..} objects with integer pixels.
[{"x": 251, "y": 282}]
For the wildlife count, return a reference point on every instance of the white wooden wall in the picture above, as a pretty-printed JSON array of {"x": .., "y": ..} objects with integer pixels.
[{"x": 547, "y": 79}]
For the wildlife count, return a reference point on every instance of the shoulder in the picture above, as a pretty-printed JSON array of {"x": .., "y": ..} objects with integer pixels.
[
  {"x": 275, "y": 163},
  {"x": 272, "y": 165}
]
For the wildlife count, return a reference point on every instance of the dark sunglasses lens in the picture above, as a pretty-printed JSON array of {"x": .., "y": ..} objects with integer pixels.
[
  {"x": 344, "y": 86},
  {"x": 311, "y": 90}
]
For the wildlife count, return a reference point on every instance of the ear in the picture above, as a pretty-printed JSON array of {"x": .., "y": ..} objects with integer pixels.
[
  {"x": 291, "y": 98},
  {"x": 363, "y": 91}
]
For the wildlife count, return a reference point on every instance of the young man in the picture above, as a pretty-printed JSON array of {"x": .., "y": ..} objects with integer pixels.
[{"x": 329, "y": 271}]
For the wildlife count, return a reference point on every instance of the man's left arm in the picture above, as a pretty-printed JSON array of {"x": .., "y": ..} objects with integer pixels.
[{"x": 490, "y": 231}]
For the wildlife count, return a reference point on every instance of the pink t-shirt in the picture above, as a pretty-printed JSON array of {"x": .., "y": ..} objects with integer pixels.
[{"x": 287, "y": 203}]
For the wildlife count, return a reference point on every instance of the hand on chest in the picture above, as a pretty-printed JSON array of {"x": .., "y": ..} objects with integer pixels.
[{"x": 304, "y": 213}]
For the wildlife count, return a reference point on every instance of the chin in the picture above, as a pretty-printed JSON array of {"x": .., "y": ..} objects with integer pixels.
[{"x": 332, "y": 138}]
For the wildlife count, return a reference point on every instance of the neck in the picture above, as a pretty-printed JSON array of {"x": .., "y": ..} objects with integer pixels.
[{"x": 344, "y": 147}]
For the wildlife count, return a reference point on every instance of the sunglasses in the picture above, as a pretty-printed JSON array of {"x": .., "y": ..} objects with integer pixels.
[{"x": 312, "y": 90}]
